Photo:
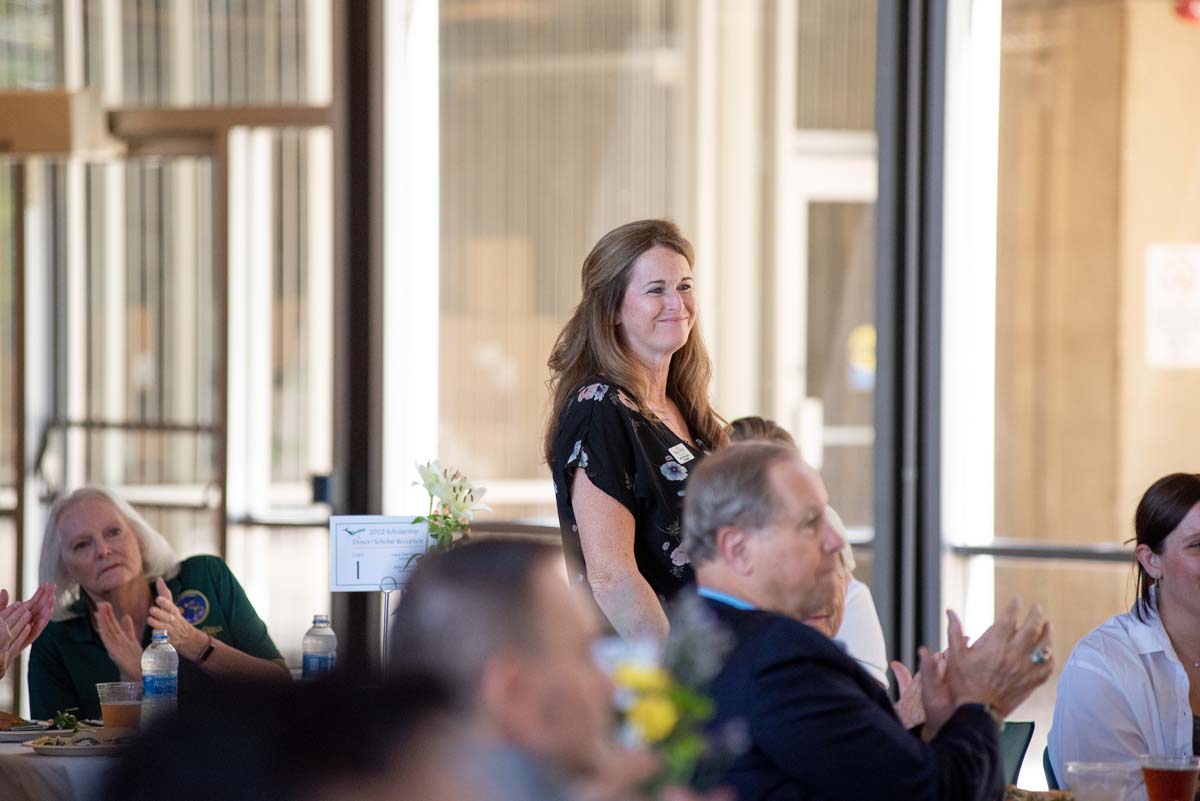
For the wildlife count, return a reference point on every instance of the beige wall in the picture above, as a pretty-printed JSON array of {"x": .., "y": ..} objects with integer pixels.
[
  {"x": 1098, "y": 160},
  {"x": 1160, "y": 182},
  {"x": 1057, "y": 271}
]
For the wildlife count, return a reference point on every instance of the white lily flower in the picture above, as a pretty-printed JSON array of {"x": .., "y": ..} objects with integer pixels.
[
  {"x": 452, "y": 493},
  {"x": 431, "y": 475}
]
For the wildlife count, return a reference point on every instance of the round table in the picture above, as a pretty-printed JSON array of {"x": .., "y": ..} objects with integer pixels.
[{"x": 33, "y": 777}]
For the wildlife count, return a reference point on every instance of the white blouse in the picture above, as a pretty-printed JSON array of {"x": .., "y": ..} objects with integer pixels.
[
  {"x": 861, "y": 633},
  {"x": 1123, "y": 692}
]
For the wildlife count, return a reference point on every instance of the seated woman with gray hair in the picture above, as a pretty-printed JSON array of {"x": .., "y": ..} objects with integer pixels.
[
  {"x": 852, "y": 621},
  {"x": 117, "y": 579}
]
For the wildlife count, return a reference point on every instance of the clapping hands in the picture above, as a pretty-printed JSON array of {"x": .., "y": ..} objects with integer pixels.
[
  {"x": 165, "y": 615},
  {"x": 1000, "y": 669},
  {"x": 22, "y": 622},
  {"x": 1006, "y": 663},
  {"x": 925, "y": 699},
  {"x": 123, "y": 642}
]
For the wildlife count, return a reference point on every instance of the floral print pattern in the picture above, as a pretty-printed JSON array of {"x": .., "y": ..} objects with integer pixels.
[
  {"x": 580, "y": 454},
  {"x": 628, "y": 457},
  {"x": 674, "y": 471},
  {"x": 594, "y": 392}
]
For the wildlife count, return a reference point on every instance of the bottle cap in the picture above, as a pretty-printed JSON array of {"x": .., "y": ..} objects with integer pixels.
[
  {"x": 320, "y": 620},
  {"x": 159, "y": 634}
]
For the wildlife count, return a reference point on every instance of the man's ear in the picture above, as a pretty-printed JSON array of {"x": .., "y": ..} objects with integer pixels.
[
  {"x": 498, "y": 682},
  {"x": 734, "y": 548},
  {"x": 501, "y": 691},
  {"x": 1149, "y": 560}
]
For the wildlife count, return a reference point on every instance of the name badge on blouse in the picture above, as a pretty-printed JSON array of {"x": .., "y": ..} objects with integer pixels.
[{"x": 681, "y": 453}]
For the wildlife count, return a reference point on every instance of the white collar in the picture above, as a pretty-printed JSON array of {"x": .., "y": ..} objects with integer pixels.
[{"x": 1150, "y": 636}]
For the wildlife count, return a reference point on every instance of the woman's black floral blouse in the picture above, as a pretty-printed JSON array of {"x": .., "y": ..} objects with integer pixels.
[{"x": 640, "y": 463}]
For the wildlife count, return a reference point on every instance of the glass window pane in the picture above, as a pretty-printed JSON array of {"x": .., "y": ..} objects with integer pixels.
[
  {"x": 1080, "y": 263},
  {"x": 1072, "y": 292},
  {"x": 204, "y": 53},
  {"x": 27, "y": 55},
  {"x": 9, "y": 458},
  {"x": 836, "y": 91},
  {"x": 840, "y": 358},
  {"x": 189, "y": 531},
  {"x": 285, "y": 572},
  {"x": 134, "y": 303},
  {"x": 535, "y": 166},
  {"x": 560, "y": 124}
]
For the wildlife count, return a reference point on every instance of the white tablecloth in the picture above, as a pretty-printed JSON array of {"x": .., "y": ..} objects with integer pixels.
[{"x": 26, "y": 776}]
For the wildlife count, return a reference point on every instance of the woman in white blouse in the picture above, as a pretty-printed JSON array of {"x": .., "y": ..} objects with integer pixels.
[{"x": 1132, "y": 686}]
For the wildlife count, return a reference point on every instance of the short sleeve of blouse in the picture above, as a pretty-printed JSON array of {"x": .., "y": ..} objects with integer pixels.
[{"x": 596, "y": 434}]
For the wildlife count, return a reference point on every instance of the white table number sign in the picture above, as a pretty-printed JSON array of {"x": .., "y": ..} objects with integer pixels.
[{"x": 368, "y": 552}]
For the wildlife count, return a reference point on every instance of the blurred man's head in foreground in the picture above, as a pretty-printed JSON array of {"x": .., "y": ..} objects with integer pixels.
[
  {"x": 328, "y": 741},
  {"x": 498, "y": 619}
]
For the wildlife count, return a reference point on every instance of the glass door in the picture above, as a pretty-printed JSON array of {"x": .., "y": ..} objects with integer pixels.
[{"x": 824, "y": 331}]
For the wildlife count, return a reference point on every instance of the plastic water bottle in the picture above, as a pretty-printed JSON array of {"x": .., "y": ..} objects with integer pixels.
[
  {"x": 160, "y": 679},
  {"x": 320, "y": 648}
]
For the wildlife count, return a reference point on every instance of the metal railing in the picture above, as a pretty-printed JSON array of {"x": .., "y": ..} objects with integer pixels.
[{"x": 1034, "y": 549}]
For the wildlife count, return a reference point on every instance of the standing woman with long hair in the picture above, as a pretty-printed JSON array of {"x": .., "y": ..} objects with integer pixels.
[{"x": 629, "y": 379}]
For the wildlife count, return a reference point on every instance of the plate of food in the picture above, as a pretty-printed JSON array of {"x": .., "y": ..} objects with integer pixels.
[
  {"x": 15, "y": 729},
  {"x": 32, "y": 731},
  {"x": 88, "y": 742}
]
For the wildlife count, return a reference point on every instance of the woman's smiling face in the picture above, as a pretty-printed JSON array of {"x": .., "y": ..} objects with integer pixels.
[
  {"x": 99, "y": 548},
  {"x": 659, "y": 308}
]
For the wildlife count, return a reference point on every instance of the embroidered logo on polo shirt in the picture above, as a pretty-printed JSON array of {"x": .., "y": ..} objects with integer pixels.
[{"x": 193, "y": 605}]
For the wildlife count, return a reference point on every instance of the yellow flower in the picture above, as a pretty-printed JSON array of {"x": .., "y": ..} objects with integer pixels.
[
  {"x": 653, "y": 717},
  {"x": 641, "y": 678}
]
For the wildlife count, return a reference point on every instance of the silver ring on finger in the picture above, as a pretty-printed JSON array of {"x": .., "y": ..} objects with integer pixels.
[{"x": 1039, "y": 656}]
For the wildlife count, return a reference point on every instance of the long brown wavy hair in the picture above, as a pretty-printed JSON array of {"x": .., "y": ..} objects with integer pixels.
[{"x": 589, "y": 344}]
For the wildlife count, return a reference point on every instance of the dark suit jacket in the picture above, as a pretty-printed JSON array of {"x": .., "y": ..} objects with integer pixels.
[{"x": 822, "y": 729}]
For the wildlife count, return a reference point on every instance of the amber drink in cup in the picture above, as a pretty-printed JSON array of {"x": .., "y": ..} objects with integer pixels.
[
  {"x": 120, "y": 704},
  {"x": 1170, "y": 778}
]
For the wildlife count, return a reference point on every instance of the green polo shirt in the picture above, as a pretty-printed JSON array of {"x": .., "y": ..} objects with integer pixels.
[{"x": 68, "y": 659}]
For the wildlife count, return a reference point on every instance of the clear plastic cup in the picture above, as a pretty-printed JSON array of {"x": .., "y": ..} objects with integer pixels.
[
  {"x": 1101, "y": 781},
  {"x": 120, "y": 704},
  {"x": 1170, "y": 777}
]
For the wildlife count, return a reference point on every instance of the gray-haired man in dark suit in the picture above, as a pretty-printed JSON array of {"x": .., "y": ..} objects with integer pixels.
[{"x": 821, "y": 727}]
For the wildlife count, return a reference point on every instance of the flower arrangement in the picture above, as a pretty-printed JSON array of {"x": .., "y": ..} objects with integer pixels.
[
  {"x": 660, "y": 700},
  {"x": 453, "y": 502}
]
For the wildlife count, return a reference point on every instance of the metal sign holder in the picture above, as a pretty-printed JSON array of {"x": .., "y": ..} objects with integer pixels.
[{"x": 385, "y": 613}]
